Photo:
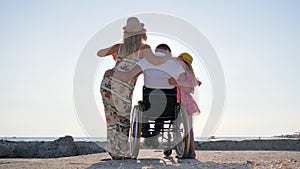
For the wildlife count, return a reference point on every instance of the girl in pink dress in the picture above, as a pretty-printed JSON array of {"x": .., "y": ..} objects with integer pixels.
[{"x": 185, "y": 89}]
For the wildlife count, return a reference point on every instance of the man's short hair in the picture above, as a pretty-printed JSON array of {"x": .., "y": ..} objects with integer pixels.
[{"x": 163, "y": 47}]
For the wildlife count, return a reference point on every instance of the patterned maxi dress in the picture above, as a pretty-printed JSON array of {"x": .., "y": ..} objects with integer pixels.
[{"x": 117, "y": 99}]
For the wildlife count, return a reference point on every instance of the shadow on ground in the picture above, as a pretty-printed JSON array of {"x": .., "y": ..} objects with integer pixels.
[{"x": 166, "y": 162}]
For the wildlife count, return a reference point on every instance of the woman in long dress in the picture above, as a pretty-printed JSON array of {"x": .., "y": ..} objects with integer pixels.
[{"x": 116, "y": 94}]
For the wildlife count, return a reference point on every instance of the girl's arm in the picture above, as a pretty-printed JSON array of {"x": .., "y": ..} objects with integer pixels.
[
  {"x": 147, "y": 53},
  {"x": 113, "y": 50},
  {"x": 172, "y": 81},
  {"x": 182, "y": 81}
]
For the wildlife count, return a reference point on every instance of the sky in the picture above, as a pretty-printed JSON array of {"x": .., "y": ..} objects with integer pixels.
[{"x": 257, "y": 43}]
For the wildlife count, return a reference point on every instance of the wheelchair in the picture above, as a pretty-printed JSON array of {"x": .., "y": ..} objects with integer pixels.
[{"x": 159, "y": 116}]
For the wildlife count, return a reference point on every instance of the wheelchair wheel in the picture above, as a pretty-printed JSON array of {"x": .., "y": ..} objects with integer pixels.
[
  {"x": 135, "y": 131},
  {"x": 182, "y": 134}
]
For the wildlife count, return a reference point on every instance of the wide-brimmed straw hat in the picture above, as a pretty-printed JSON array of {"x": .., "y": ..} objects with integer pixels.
[
  {"x": 134, "y": 26},
  {"x": 187, "y": 57}
]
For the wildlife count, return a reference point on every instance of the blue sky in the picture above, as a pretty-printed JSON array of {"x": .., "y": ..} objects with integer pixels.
[{"x": 257, "y": 43}]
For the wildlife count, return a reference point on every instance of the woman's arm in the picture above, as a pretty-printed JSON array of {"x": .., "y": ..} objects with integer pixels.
[
  {"x": 147, "y": 53},
  {"x": 124, "y": 76},
  {"x": 113, "y": 50}
]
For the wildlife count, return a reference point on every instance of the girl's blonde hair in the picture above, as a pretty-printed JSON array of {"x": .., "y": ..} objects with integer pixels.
[
  {"x": 190, "y": 68},
  {"x": 133, "y": 42}
]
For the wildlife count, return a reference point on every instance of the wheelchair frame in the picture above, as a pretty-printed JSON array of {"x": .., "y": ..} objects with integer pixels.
[{"x": 179, "y": 128}]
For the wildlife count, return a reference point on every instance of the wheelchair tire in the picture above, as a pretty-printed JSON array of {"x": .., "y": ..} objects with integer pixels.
[
  {"x": 135, "y": 131},
  {"x": 183, "y": 134}
]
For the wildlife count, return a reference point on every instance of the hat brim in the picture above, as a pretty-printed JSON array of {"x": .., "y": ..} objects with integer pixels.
[
  {"x": 128, "y": 31},
  {"x": 183, "y": 58}
]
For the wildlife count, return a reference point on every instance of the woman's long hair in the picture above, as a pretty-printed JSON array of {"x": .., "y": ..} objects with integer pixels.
[{"x": 134, "y": 42}]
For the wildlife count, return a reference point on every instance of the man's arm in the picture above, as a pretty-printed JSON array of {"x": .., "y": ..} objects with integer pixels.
[
  {"x": 147, "y": 53},
  {"x": 125, "y": 76}
]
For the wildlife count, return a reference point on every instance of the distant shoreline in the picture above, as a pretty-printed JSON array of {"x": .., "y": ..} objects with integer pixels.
[{"x": 296, "y": 135}]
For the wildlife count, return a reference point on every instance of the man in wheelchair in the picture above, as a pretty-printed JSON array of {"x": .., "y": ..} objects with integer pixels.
[{"x": 159, "y": 97}]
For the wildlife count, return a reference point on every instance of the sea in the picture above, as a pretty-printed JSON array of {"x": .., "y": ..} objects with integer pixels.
[{"x": 102, "y": 139}]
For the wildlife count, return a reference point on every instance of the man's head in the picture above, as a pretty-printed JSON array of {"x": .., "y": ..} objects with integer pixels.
[{"x": 164, "y": 48}]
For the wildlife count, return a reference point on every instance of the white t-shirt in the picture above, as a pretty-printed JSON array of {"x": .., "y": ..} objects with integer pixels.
[{"x": 156, "y": 76}]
